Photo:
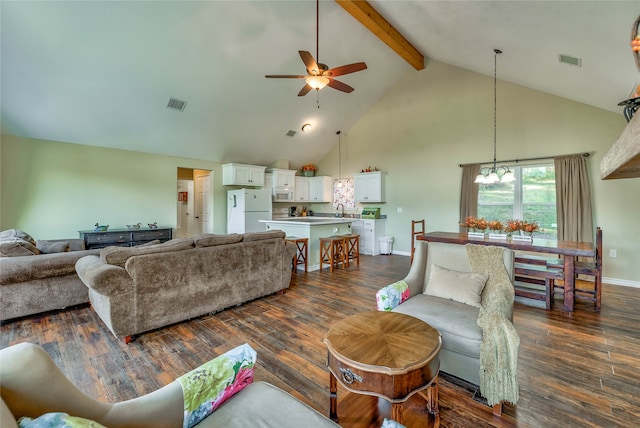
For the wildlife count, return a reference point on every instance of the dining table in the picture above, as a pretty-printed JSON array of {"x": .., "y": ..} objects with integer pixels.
[{"x": 570, "y": 250}]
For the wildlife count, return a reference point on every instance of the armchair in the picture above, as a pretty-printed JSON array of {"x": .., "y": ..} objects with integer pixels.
[
  {"x": 32, "y": 385},
  {"x": 466, "y": 293}
]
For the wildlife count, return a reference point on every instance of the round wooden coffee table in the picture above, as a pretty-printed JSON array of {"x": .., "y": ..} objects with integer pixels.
[{"x": 385, "y": 354}]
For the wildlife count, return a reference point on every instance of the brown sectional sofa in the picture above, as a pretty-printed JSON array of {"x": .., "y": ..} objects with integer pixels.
[
  {"x": 138, "y": 289},
  {"x": 39, "y": 276}
]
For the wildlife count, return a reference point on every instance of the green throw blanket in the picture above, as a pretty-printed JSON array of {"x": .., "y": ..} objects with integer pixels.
[{"x": 500, "y": 340}]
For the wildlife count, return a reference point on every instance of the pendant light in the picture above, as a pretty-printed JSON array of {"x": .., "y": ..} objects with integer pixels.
[
  {"x": 339, "y": 161},
  {"x": 492, "y": 173}
]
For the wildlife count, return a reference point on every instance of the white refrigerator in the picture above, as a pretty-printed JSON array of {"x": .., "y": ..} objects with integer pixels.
[{"x": 245, "y": 207}]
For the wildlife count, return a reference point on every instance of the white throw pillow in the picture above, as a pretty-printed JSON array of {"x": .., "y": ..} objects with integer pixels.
[{"x": 460, "y": 287}]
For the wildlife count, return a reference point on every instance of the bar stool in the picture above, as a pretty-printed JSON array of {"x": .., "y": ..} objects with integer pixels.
[
  {"x": 300, "y": 258},
  {"x": 333, "y": 250},
  {"x": 353, "y": 248}
]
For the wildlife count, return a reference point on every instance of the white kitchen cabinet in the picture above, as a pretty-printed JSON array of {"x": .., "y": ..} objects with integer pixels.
[
  {"x": 283, "y": 178},
  {"x": 369, "y": 186},
  {"x": 313, "y": 189},
  {"x": 320, "y": 189},
  {"x": 235, "y": 174},
  {"x": 370, "y": 232},
  {"x": 301, "y": 193}
]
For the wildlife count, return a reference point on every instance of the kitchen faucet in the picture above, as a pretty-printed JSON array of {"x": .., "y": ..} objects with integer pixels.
[{"x": 342, "y": 206}]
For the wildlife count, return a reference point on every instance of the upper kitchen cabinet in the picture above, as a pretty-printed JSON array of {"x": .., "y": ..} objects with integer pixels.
[
  {"x": 320, "y": 189},
  {"x": 302, "y": 189},
  {"x": 283, "y": 178},
  {"x": 313, "y": 189},
  {"x": 242, "y": 175},
  {"x": 369, "y": 186}
]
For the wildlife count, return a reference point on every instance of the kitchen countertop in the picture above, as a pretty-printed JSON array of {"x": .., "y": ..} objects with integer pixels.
[{"x": 310, "y": 220}]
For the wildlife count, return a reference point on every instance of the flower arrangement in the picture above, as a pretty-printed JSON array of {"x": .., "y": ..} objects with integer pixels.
[
  {"x": 475, "y": 223},
  {"x": 496, "y": 226},
  {"x": 510, "y": 227},
  {"x": 309, "y": 167},
  {"x": 521, "y": 226}
]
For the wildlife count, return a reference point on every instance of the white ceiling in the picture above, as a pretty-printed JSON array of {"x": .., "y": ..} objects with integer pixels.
[{"x": 101, "y": 73}]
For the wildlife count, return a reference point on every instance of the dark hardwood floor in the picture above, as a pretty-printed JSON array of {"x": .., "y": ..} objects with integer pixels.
[{"x": 575, "y": 370}]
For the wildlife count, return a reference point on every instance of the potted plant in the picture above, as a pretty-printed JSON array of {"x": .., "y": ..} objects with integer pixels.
[
  {"x": 521, "y": 230},
  {"x": 308, "y": 170},
  {"x": 476, "y": 226},
  {"x": 496, "y": 230}
]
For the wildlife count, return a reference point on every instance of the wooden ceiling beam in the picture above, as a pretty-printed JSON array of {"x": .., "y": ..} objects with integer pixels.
[{"x": 374, "y": 22}]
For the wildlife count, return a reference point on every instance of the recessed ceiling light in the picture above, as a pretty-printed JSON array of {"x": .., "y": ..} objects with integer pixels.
[{"x": 306, "y": 127}]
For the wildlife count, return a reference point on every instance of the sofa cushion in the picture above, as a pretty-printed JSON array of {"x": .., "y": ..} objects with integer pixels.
[
  {"x": 210, "y": 385},
  {"x": 259, "y": 236},
  {"x": 119, "y": 255},
  {"x": 456, "y": 322},
  {"x": 15, "y": 247},
  {"x": 210, "y": 240},
  {"x": 50, "y": 247},
  {"x": 461, "y": 287},
  {"x": 15, "y": 233}
]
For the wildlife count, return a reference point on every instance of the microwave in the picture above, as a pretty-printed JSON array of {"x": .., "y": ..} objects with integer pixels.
[{"x": 282, "y": 195}]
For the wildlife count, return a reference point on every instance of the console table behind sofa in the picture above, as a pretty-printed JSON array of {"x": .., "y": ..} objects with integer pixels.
[
  {"x": 569, "y": 249},
  {"x": 123, "y": 237}
]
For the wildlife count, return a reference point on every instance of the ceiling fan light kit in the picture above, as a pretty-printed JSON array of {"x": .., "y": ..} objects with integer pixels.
[
  {"x": 320, "y": 75},
  {"x": 491, "y": 176},
  {"x": 317, "y": 82}
]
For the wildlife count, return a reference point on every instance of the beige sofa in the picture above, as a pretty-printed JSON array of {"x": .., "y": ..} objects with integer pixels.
[
  {"x": 39, "y": 276},
  {"x": 32, "y": 385},
  {"x": 138, "y": 289},
  {"x": 474, "y": 319}
]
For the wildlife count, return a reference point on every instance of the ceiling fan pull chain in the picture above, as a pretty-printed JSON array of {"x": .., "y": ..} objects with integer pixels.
[
  {"x": 318, "y": 98},
  {"x": 317, "y": 30}
]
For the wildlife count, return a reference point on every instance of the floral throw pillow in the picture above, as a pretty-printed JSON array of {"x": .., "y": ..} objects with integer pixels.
[
  {"x": 392, "y": 295},
  {"x": 389, "y": 423},
  {"x": 57, "y": 420},
  {"x": 207, "y": 387}
]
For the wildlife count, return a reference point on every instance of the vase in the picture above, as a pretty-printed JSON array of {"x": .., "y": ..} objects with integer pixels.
[
  {"x": 521, "y": 237},
  {"x": 308, "y": 173},
  {"x": 475, "y": 235}
]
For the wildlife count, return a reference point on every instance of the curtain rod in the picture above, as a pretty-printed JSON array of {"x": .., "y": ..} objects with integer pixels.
[{"x": 520, "y": 160}]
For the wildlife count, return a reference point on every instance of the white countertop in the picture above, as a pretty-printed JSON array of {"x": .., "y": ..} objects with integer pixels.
[{"x": 309, "y": 220}]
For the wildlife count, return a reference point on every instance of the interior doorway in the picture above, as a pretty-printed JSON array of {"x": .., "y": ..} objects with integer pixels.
[{"x": 194, "y": 202}]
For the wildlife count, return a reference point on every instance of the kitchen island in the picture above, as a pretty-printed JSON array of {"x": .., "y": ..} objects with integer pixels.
[{"x": 312, "y": 228}]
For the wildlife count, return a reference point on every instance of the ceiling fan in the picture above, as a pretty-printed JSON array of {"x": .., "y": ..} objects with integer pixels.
[{"x": 320, "y": 75}]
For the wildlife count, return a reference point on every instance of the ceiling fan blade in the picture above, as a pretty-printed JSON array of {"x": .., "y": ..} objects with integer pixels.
[
  {"x": 335, "y": 84},
  {"x": 285, "y": 76},
  {"x": 346, "y": 69},
  {"x": 304, "y": 91},
  {"x": 309, "y": 62}
]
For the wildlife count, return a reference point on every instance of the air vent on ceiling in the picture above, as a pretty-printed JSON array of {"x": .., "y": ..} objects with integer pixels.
[
  {"x": 291, "y": 133},
  {"x": 571, "y": 60},
  {"x": 176, "y": 104}
]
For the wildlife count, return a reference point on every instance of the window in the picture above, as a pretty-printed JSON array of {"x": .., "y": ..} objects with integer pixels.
[{"x": 531, "y": 197}]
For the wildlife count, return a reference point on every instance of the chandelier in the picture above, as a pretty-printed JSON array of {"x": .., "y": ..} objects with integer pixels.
[{"x": 490, "y": 175}]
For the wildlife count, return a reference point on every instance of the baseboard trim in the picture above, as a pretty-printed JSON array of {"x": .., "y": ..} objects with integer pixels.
[
  {"x": 622, "y": 282},
  {"x": 401, "y": 253}
]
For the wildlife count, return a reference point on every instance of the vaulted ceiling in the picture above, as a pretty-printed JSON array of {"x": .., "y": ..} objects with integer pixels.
[{"x": 101, "y": 72}]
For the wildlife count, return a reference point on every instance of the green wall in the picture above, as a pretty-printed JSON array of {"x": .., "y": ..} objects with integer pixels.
[
  {"x": 52, "y": 190},
  {"x": 431, "y": 121},
  {"x": 418, "y": 132}
]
